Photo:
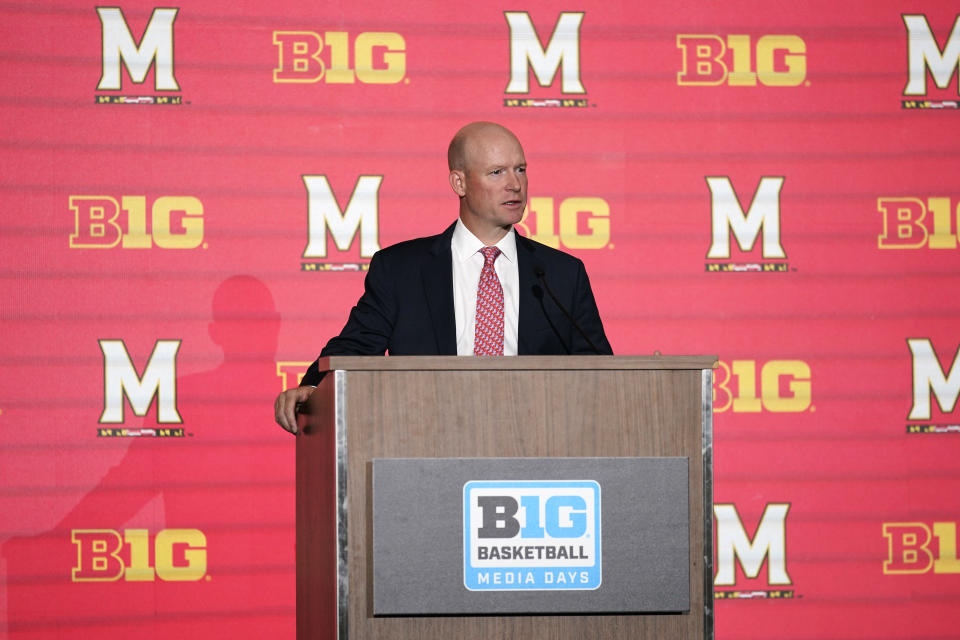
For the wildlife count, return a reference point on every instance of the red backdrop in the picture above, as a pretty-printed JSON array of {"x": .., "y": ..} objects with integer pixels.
[{"x": 775, "y": 184}]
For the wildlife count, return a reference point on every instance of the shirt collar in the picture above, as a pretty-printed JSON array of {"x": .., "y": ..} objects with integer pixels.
[{"x": 464, "y": 244}]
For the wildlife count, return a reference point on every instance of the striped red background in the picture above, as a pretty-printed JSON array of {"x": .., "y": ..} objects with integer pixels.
[{"x": 240, "y": 143}]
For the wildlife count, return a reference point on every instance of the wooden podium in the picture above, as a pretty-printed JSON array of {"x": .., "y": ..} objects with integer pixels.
[{"x": 499, "y": 407}]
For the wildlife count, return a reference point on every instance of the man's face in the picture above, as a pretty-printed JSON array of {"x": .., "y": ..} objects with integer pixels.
[{"x": 494, "y": 182}]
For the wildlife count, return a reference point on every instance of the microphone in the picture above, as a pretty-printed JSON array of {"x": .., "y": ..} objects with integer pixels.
[{"x": 541, "y": 274}]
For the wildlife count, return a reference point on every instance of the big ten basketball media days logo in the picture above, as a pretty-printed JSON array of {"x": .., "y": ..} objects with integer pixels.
[
  {"x": 577, "y": 223},
  {"x": 741, "y": 61},
  {"x": 103, "y": 222},
  {"x": 735, "y": 547},
  {"x": 925, "y": 54},
  {"x": 907, "y": 225},
  {"x": 121, "y": 51},
  {"x": 105, "y": 555},
  {"x": 761, "y": 221},
  {"x": 531, "y": 535},
  {"x": 920, "y": 547},
  {"x": 354, "y": 228},
  {"x": 751, "y": 386},
  {"x": 340, "y": 57},
  {"x": 158, "y": 383},
  {"x": 562, "y": 53},
  {"x": 933, "y": 384}
]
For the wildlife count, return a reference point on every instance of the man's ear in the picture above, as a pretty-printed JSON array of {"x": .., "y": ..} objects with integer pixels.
[{"x": 458, "y": 182}]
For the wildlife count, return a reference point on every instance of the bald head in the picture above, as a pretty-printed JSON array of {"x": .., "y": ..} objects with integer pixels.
[
  {"x": 461, "y": 146},
  {"x": 488, "y": 172}
]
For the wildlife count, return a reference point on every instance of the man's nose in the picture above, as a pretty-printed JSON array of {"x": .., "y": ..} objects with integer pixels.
[{"x": 513, "y": 183}]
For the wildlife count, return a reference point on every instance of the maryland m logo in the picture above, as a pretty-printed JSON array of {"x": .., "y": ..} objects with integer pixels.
[
  {"x": 929, "y": 379},
  {"x": 158, "y": 381},
  {"x": 155, "y": 48},
  {"x": 728, "y": 217},
  {"x": 562, "y": 50},
  {"x": 923, "y": 53},
  {"x": 324, "y": 213},
  {"x": 768, "y": 545}
]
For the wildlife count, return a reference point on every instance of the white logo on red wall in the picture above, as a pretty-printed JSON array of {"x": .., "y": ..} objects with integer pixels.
[
  {"x": 126, "y": 61},
  {"x": 555, "y": 66},
  {"x": 741, "y": 558},
  {"x": 354, "y": 230},
  {"x": 936, "y": 388},
  {"x": 760, "y": 221},
  {"x": 931, "y": 69},
  {"x": 157, "y": 385}
]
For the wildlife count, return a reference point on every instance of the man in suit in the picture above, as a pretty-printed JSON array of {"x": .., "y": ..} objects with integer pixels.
[{"x": 422, "y": 297}]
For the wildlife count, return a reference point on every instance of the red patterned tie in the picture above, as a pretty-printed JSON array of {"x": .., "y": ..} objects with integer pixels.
[{"x": 488, "y": 338}]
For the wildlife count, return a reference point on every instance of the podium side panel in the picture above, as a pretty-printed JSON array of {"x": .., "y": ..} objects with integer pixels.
[
  {"x": 317, "y": 548},
  {"x": 706, "y": 404}
]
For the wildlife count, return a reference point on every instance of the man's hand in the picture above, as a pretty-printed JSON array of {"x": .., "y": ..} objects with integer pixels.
[{"x": 285, "y": 408}]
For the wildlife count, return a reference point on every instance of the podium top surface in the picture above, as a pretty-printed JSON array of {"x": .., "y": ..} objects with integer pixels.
[{"x": 512, "y": 363}]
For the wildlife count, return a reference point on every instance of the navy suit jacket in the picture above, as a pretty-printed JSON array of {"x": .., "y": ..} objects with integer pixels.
[{"x": 407, "y": 304}]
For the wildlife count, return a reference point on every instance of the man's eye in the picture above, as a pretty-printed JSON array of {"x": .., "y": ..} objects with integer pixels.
[
  {"x": 521, "y": 169},
  {"x": 496, "y": 172}
]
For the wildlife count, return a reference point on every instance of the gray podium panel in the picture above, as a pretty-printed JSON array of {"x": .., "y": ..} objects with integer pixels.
[{"x": 474, "y": 536}]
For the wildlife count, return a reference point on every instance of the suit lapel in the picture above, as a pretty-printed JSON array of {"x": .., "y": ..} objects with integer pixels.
[{"x": 437, "y": 276}]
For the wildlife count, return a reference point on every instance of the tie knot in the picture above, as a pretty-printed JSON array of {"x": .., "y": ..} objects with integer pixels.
[{"x": 489, "y": 255}]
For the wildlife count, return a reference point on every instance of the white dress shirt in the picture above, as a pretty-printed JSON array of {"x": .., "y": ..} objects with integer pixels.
[{"x": 467, "y": 265}]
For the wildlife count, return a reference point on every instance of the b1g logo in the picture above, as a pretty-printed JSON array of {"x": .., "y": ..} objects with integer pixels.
[
  {"x": 923, "y": 54},
  {"x": 906, "y": 225},
  {"x": 122, "y": 51},
  {"x": 324, "y": 215},
  {"x": 580, "y": 223},
  {"x": 784, "y": 386},
  {"x": 913, "y": 548},
  {"x": 525, "y": 535},
  {"x": 176, "y": 222},
  {"x": 378, "y": 57},
  {"x": 291, "y": 373},
  {"x": 728, "y": 218},
  {"x": 105, "y": 555},
  {"x": 774, "y": 61},
  {"x": 931, "y": 381},
  {"x": 562, "y": 53}
]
